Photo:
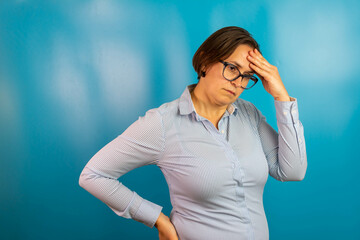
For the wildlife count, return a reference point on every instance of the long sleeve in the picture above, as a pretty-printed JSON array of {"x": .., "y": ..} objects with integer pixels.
[
  {"x": 285, "y": 151},
  {"x": 141, "y": 144}
]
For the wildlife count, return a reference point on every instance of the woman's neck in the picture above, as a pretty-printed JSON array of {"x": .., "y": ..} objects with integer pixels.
[{"x": 205, "y": 108}]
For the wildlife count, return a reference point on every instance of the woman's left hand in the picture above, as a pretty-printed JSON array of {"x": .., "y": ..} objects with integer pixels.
[{"x": 268, "y": 75}]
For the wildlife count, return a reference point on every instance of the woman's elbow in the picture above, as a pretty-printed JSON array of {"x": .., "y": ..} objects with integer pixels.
[
  {"x": 85, "y": 177},
  {"x": 297, "y": 175},
  {"x": 82, "y": 180}
]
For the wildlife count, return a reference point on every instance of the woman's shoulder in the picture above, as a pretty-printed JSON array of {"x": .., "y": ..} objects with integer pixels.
[
  {"x": 166, "y": 109},
  {"x": 161, "y": 117},
  {"x": 244, "y": 105},
  {"x": 249, "y": 110}
]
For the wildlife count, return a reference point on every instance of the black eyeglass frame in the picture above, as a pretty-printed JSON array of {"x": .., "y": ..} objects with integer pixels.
[{"x": 255, "y": 79}]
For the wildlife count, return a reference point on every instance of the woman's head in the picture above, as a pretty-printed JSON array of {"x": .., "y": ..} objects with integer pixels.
[{"x": 220, "y": 45}]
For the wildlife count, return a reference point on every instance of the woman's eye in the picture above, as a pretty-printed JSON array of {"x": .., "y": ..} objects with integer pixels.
[{"x": 232, "y": 68}]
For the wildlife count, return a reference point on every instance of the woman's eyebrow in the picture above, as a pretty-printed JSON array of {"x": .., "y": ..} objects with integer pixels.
[{"x": 239, "y": 66}]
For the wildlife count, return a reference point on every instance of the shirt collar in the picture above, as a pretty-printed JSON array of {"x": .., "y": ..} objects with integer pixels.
[{"x": 186, "y": 105}]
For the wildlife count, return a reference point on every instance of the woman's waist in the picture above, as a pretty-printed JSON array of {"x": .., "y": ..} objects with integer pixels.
[
  {"x": 212, "y": 216},
  {"x": 209, "y": 227}
]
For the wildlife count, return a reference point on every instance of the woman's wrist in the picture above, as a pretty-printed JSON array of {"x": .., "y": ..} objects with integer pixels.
[
  {"x": 165, "y": 228},
  {"x": 283, "y": 98},
  {"x": 160, "y": 221}
]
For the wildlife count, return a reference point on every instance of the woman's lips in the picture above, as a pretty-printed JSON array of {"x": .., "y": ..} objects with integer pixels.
[{"x": 233, "y": 93}]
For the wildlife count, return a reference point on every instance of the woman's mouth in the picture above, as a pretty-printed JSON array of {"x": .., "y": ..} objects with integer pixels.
[{"x": 231, "y": 92}]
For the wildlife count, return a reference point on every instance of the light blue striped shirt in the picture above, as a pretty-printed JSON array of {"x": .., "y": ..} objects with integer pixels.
[{"x": 216, "y": 177}]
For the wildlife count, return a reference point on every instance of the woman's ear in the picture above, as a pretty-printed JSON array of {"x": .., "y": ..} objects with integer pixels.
[{"x": 203, "y": 71}]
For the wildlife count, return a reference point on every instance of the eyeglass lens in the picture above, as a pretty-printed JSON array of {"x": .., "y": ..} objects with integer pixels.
[{"x": 231, "y": 72}]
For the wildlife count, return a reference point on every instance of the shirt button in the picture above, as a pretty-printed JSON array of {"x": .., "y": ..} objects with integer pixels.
[
  {"x": 300, "y": 140},
  {"x": 222, "y": 131},
  {"x": 293, "y": 111},
  {"x": 285, "y": 113}
]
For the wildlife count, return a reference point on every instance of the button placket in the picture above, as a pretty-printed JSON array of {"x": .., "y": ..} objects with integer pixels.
[{"x": 238, "y": 174}]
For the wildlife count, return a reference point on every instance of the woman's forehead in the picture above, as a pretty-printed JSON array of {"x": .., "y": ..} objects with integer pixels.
[
  {"x": 241, "y": 52},
  {"x": 239, "y": 56}
]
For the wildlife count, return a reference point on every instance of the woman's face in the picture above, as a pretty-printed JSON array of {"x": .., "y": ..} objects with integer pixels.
[{"x": 217, "y": 89}]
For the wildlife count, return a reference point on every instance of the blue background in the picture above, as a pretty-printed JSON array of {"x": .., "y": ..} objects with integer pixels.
[{"x": 75, "y": 74}]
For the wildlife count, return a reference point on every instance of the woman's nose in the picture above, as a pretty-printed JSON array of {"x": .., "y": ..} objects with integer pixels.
[{"x": 237, "y": 82}]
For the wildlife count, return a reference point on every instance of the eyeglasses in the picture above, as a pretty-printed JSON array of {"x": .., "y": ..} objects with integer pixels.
[{"x": 231, "y": 73}]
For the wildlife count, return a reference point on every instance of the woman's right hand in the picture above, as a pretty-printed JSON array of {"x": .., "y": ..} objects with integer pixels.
[{"x": 165, "y": 227}]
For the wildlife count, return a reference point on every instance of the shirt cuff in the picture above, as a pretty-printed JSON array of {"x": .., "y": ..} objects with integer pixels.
[
  {"x": 287, "y": 111},
  {"x": 148, "y": 213}
]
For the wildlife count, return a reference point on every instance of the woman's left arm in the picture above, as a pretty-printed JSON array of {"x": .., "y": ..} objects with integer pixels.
[{"x": 285, "y": 151}]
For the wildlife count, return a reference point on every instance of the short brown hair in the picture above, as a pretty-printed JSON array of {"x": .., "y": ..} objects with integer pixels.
[{"x": 219, "y": 46}]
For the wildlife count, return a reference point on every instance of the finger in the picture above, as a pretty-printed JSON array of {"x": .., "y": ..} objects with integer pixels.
[
  {"x": 260, "y": 58},
  {"x": 259, "y": 63},
  {"x": 258, "y": 53},
  {"x": 259, "y": 71}
]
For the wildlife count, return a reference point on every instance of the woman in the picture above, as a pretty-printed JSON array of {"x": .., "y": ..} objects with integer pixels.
[{"x": 214, "y": 149}]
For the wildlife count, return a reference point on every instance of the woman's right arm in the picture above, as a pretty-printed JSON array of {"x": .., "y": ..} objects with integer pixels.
[{"x": 141, "y": 144}]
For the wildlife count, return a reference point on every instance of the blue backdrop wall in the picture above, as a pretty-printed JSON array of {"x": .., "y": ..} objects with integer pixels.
[{"x": 75, "y": 74}]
